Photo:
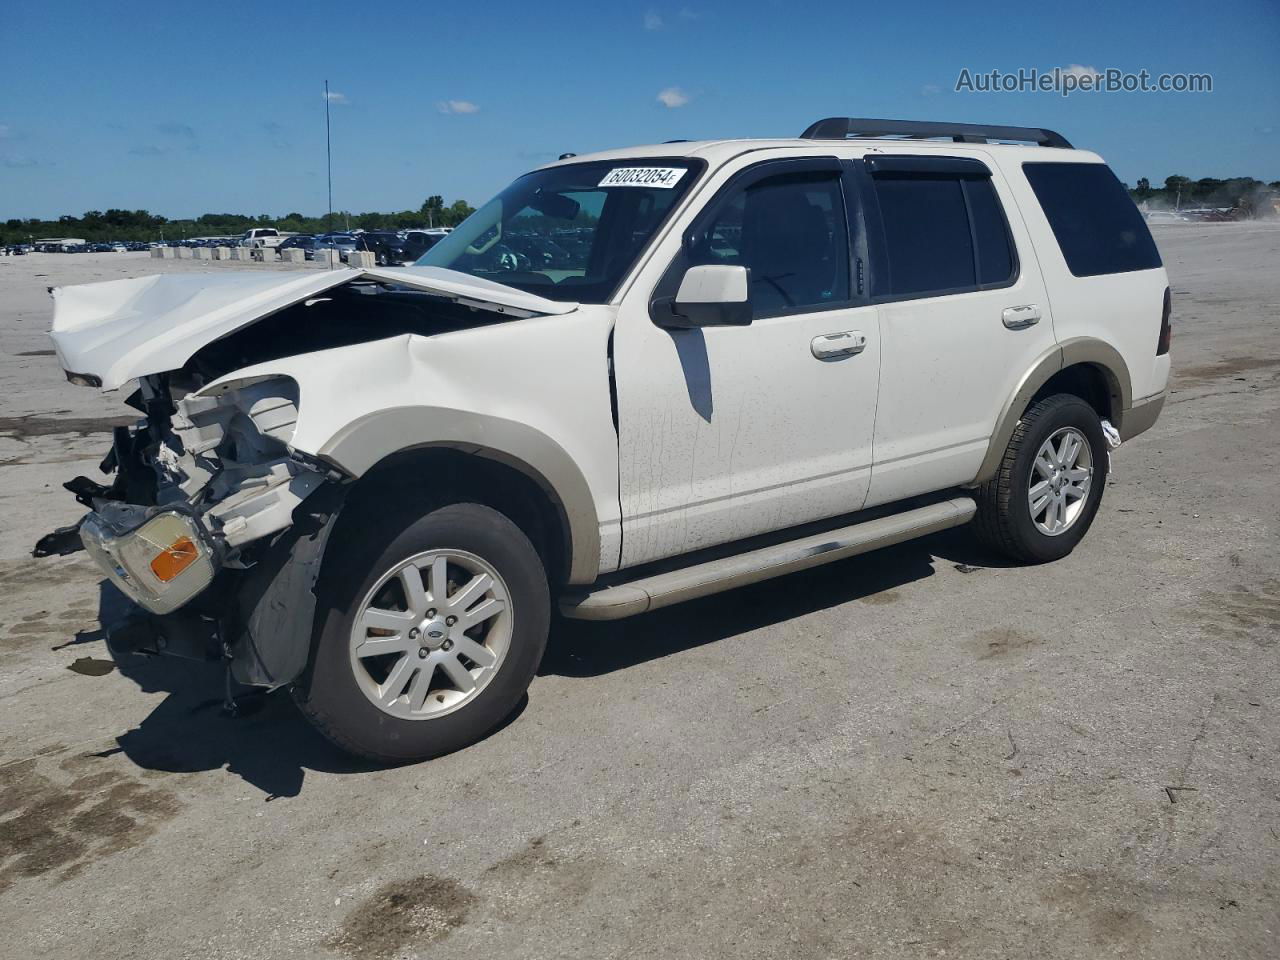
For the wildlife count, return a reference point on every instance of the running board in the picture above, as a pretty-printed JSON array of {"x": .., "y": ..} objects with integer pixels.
[{"x": 663, "y": 589}]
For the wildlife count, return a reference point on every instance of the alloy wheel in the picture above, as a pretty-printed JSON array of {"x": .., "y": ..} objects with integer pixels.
[
  {"x": 1061, "y": 476},
  {"x": 431, "y": 634}
]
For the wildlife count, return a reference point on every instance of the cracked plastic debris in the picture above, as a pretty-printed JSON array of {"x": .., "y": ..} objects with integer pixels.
[
  {"x": 1111, "y": 433},
  {"x": 227, "y": 455}
]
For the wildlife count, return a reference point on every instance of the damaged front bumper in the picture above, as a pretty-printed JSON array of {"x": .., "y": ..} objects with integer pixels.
[{"x": 212, "y": 530}]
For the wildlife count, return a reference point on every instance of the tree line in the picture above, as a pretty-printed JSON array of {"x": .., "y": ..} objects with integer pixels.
[
  {"x": 97, "y": 226},
  {"x": 1253, "y": 198}
]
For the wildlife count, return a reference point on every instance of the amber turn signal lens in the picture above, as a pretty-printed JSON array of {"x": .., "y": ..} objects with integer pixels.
[{"x": 173, "y": 559}]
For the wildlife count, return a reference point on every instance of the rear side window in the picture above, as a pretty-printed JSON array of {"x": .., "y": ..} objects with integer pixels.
[
  {"x": 927, "y": 236},
  {"x": 995, "y": 254},
  {"x": 943, "y": 233},
  {"x": 1097, "y": 226}
]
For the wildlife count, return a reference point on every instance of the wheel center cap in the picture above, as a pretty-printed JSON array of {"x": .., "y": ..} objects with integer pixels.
[{"x": 432, "y": 634}]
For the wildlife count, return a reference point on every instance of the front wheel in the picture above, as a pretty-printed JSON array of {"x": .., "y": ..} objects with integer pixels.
[
  {"x": 431, "y": 633},
  {"x": 1049, "y": 484}
]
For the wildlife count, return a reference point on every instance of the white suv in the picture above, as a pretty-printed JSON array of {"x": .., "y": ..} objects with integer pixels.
[{"x": 630, "y": 379}]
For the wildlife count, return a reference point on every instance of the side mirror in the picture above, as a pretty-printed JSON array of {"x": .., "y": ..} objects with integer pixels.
[{"x": 711, "y": 295}]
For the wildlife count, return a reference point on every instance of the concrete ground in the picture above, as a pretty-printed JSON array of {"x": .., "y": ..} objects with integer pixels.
[{"x": 915, "y": 753}]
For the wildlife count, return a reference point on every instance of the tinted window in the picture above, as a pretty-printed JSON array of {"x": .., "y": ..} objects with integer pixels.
[
  {"x": 927, "y": 239},
  {"x": 995, "y": 254},
  {"x": 790, "y": 232},
  {"x": 1098, "y": 227}
]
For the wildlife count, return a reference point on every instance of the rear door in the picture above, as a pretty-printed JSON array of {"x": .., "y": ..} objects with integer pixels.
[{"x": 963, "y": 315}]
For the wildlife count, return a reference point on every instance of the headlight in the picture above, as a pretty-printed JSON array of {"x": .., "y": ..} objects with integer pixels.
[{"x": 162, "y": 563}]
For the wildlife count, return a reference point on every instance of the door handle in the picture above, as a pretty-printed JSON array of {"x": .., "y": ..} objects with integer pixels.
[
  {"x": 830, "y": 346},
  {"x": 1019, "y": 318}
]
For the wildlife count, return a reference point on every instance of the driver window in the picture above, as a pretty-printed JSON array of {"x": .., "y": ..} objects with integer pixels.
[{"x": 790, "y": 232}]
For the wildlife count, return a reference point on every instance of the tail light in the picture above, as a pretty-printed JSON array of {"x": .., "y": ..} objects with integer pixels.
[{"x": 1166, "y": 328}]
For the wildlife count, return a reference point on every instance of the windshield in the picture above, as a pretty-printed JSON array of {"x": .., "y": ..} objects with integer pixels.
[{"x": 567, "y": 233}]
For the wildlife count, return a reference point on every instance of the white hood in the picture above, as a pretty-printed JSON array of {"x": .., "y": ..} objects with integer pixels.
[{"x": 118, "y": 330}]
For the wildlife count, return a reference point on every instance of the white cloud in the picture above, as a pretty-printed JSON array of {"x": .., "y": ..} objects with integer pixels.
[
  {"x": 1077, "y": 70},
  {"x": 457, "y": 106},
  {"x": 653, "y": 20},
  {"x": 688, "y": 13},
  {"x": 20, "y": 162},
  {"x": 673, "y": 97},
  {"x": 180, "y": 130},
  {"x": 334, "y": 97},
  {"x": 930, "y": 90},
  {"x": 4, "y": 131}
]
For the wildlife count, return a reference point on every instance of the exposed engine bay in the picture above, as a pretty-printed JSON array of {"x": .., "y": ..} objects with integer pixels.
[{"x": 355, "y": 313}]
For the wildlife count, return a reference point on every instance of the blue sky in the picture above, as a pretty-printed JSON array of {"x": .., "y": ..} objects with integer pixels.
[{"x": 184, "y": 108}]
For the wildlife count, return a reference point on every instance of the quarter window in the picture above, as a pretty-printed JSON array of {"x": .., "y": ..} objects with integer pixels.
[{"x": 1097, "y": 226}]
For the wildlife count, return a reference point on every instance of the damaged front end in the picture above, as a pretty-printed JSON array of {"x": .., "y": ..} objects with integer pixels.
[
  {"x": 215, "y": 518},
  {"x": 212, "y": 526}
]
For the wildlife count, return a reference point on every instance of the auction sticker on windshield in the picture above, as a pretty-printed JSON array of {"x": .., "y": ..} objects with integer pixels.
[{"x": 664, "y": 177}]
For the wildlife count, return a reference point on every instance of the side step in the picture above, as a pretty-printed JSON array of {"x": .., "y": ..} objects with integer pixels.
[{"x": 663, "y": 589}]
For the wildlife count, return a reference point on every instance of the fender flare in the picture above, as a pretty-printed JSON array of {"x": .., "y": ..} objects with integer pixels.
[
  {"x": 1068, "y": 353},
  {"x": 365, "y": 441}
]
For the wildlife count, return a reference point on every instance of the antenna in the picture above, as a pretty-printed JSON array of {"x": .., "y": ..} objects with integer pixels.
[{"x": 328, "y": 151}]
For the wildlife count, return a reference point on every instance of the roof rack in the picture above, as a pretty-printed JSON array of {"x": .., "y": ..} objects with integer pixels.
[{"x": 842, "y": 128}]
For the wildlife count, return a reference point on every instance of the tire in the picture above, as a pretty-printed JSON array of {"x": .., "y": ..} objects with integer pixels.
[
  {"x": 1005, "y": 521},
  {"x": 338, "y": 693}
]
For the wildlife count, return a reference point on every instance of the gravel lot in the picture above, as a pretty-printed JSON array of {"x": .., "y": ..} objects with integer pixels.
[{"x": 916, "y": 753}]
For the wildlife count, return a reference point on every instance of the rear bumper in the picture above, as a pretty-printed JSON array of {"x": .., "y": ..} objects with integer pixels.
[{"x": 1142, "y": 416}]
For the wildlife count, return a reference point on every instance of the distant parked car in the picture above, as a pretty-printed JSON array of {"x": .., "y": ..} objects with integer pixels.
[
  {"x": 387, "y": 247},
  {"x": 304, "y": 242},
  {"x": 344, "y": 243},
  {"x": 418, "y": 242}
]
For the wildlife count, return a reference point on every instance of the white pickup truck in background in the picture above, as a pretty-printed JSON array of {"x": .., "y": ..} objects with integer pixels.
[{"x": 263, "y": 237}]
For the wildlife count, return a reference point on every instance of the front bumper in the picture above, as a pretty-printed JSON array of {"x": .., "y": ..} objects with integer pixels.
[
  {"x": 160, "y": 558},
  {"x": 259, "y": 618}
]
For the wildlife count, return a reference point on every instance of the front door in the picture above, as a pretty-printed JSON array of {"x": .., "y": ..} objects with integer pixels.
[{"x": 726, "y": 432}]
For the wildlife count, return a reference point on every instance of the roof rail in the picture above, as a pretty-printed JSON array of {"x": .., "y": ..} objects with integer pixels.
[{"x": 842, "y": 128}]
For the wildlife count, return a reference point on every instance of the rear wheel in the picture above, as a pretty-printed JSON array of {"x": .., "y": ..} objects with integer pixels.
[
  {"x": 1049, "y": 484},
  {"x": 434, "y": 630}
]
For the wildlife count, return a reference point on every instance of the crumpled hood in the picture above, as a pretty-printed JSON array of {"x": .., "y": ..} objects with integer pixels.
[{"x": 118, "y": 330}]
